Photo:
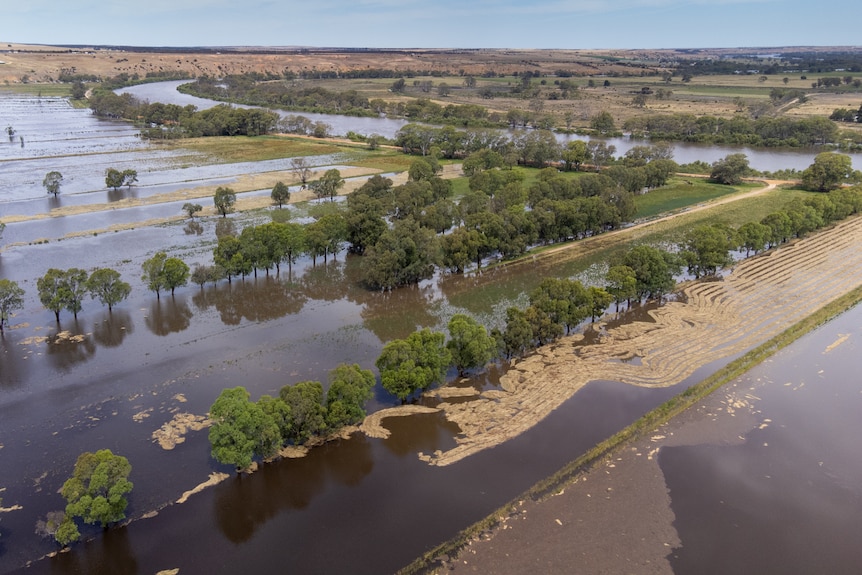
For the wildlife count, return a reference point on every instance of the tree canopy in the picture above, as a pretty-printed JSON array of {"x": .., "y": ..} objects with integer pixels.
[
  {"x": 415, "y": 363},
  {"x": 96, "y": 492},
  {"x": 470, "y": 345},
  {"x": 730, "y": 169},
  {"x": 52, "y": 182},
  {"x": 11, "y": 298},
  {"x": 106, "y": 286},
  {"x": 827, "y": 172}
]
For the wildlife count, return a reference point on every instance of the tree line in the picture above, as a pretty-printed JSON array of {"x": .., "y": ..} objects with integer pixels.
[
  {"x": 167, "y": 121},
  {"x": 738, "y": 130},
  {"x": 243, "y": 430}
]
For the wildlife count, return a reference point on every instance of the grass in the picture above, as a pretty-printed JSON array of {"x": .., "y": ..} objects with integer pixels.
[
  {"x": 256, "y": 149},
  {"x": 52, "y": 90},
  {"x": 574, "y": 470},
  {"x": 679, "y": 194}
]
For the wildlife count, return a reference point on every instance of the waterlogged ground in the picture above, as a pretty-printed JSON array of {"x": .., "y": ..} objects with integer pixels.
[{"x": 125, "y": 379}]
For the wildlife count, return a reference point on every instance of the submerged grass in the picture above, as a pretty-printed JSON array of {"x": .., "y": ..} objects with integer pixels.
[{"x": 571, "y": 472}]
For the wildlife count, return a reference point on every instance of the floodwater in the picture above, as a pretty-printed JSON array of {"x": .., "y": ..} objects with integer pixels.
[
  {"x": 789, "y": 498},
  {"x": 110, "y": 379}
]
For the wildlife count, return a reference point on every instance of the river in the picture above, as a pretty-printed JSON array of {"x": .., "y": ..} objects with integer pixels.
[
  {"x": 109, "y": 380},
  {"x": 762, "y": 159}
]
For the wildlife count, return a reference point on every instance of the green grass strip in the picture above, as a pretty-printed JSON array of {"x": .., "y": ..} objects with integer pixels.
[{"x": 431, "y": 560}]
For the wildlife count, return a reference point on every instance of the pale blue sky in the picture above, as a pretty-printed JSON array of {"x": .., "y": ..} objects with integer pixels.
[{"x": 434, "y": 23}]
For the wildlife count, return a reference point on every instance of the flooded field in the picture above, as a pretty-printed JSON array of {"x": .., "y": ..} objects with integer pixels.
[
  {"x": 787, "y": 498},
  {"x": 115, "y": 379}
]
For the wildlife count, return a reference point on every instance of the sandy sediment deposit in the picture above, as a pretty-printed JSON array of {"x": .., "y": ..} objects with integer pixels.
[
  {"x": 761, "y": 297},
  {"x": 174, "y": 431},
  {"x": 214, "y": 479}
]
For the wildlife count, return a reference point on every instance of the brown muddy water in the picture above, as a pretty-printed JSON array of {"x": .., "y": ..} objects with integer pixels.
[
  {"x": 109, "y": 380},
  {"x": 788, "y": 499}
]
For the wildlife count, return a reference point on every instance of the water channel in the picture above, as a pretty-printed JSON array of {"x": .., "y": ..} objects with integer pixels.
[{"x": 360, "y": 505}]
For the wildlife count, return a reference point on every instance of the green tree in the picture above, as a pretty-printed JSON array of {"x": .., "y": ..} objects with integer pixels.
[
  {"x": 752, "y": 236},
  {"x": 224, "y": 200},
  {"x": 129, "y": 177},
  {"x": 566, "y": 302},
  {"x": 105, "y": 285},
  {"x": 706, "y": 249},
  {"x": 79, "y": 90},
  {"x": 349, "y": 388},
  {"x": 229, "y": 256},
  {"x": 328, "y": 185},
  {"x": 62, "y": 289},
  {"x": 518, "y": 336},
  {"x": 364, "y": 221},
  {"x": 730, "y": 170},
  {"x": 176, "y": 274},
  {"x": 654, "y": 270},
  {"x": 280, "y": 194},
  {"x": 779, "y": 225},
  {"x": 403, "y": 255},
  {"x": 11, "y": 298},
  {"x": 575, "y": 154},
  {"x": 621, "y": 284},
  {"x": 470, "y": 344},
  {"x": 305, "y": 400},
  {"x": 241, "y": 429},
  {"x": 600, "y": 153},
  {"x": 603, "y": 123},
  {"x": 461, "y": 248},
  {"x": 154, "y": 272},
  {"x": 600, "y": 299},
  {"x": 50, "y": 287},
  {"x": 75, "y": 288},
  {"x": 96, "y": 492},
  {"x": 114, "y": 178},
  {"x": 827, "y": 172},
  {"x": 415, "y": 363},
  {"x": 52, "y": 182},
  {"x": 191, "y": 209}
]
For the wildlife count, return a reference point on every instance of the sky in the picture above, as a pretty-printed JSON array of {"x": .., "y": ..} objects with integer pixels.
[{"x": 575, "y": 24}]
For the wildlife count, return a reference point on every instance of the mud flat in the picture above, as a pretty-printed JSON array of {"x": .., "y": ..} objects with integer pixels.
[{"x": 759, "y": 299}]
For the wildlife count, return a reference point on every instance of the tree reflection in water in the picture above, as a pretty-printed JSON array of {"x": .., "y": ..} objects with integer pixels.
[
  {"x": 254, "y": 299},
  {"x": 244, "y": 504},
  {"x": 13, "y": 363},
  {"x": 111, "y": 552},
  {"x": 68, "y": 347},
  {"x": 193, "y": 228},
  {"x": 169, "y": 315},
  {"x": 113, "y": 328}
]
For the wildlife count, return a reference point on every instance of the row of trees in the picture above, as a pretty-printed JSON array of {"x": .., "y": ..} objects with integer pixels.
[
  {"x": 66, "y": 289},
  {"x": 402, "y": 230},
  {"x": 828, "y": 171},
  {"x": 164, "y": 121},
  {"x": 847, "y": 115},
  {"x": 243, "y": 429},
  {"x": 738, "y": 130},
  {"x": 114, "y": 179}
]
